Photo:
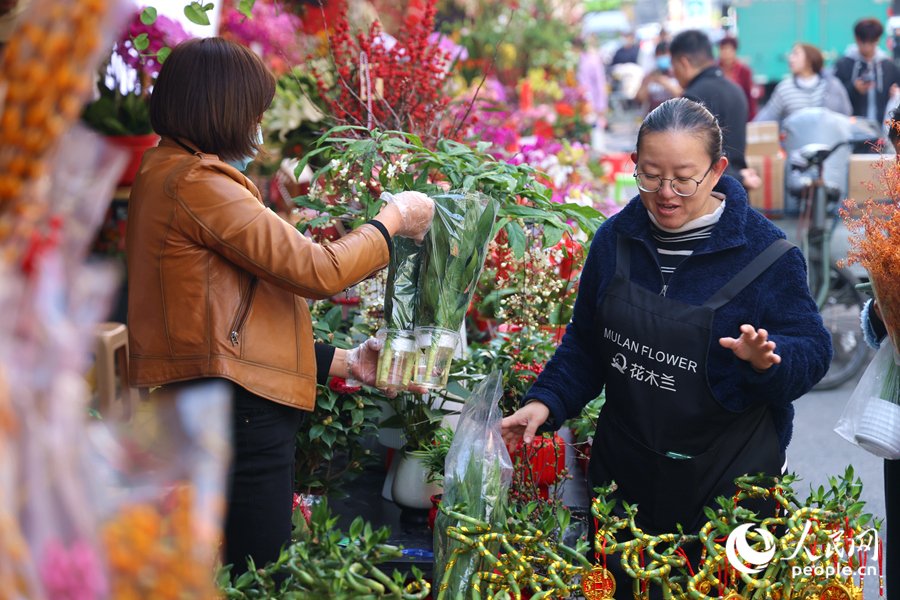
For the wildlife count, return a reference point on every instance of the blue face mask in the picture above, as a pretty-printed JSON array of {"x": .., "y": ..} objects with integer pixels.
[
  {"x": 241, "y": 163},
  {"x": 664, "y": 62}
]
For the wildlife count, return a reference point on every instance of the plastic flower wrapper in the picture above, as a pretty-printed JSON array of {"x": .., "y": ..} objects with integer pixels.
[
  {"x": 477, "y": 475},
  {"x": 871, "y": 419},
  {"x": 164, "y": 481},
  {"x": 397, "y": 359},
  {"x": 50, "y": 302},
  {"x": 453, "y": 257}
]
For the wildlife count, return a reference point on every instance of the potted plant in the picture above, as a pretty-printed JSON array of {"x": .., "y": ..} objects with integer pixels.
[{"x": 120, "y": 110}]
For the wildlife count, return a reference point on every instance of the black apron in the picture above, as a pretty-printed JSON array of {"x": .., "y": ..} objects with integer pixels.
[{"x": 662, "y": 436}]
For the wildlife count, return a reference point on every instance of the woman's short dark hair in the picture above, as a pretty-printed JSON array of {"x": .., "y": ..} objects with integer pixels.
[
  {"x": 729, "y": 41},
  {"x": 894, "y": 127},
  {"x": 661, "y": 48},
  {"x": 681, "y": 115},
  {"x": 814, "y": 56},
  {"x": 868, "y": 30},
  {"x": 212, "y": 92}
]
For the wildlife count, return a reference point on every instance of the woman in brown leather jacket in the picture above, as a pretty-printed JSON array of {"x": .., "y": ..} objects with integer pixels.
[{"x": 218, "y": 283}]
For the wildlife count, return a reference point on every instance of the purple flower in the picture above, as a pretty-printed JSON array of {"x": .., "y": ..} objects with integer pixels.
[
  {"x": 72, "y": 574},
  {"x": 454, "y": 51}
]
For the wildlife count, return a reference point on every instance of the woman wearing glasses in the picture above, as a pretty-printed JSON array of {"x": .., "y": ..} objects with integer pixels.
[{"x": 693, "y": 311}]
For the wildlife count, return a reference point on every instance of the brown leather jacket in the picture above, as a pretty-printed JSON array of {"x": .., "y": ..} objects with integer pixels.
[{"x": 217, "y": 282}]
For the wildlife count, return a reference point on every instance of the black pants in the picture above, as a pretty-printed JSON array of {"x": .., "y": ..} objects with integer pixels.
[
  {"x": 892, "y": 549},
  {"x": 261, "y": 479}
]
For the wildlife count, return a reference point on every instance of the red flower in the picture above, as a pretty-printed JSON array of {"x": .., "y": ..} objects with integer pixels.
[
  {"x": 339, "y": 385},
  {"x": 564, "y": 110}
]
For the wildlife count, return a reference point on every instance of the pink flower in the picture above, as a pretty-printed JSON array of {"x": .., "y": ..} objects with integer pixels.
[
  {"x": 271, "y": 33},
  {"x": 72, "y": 574},
  {"x": 163, "y": 33}
]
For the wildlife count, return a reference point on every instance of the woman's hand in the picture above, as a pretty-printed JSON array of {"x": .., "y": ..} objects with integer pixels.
[
  {"x": 408, "y": 214},
  {"x": 523, "y": 422},
  {"x": 754, "y": 347},
  {"x": 360, "y": 364}
]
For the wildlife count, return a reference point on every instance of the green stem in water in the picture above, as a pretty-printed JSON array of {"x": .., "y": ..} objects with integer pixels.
[
  {"x": 384, "y": 361},
  {"x": 890, "y": 390}
]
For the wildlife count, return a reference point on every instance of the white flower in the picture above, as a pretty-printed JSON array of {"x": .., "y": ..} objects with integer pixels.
[
  {"x": 335, "y": 163},
  {"x": 391, "y": 171}
]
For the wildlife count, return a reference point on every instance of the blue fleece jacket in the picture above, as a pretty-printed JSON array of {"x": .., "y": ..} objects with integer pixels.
[{"x": 778, "y": 301}]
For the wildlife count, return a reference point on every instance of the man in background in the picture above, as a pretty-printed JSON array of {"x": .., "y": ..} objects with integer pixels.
[
  {"x": 628, "y": 53},
  {"x": 868, "y": 72},
  {"x": 695, "y": 68}
]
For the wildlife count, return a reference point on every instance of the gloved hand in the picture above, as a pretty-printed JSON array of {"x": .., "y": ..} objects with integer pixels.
[
  {"x": 416, "y": 210},
  {"x": 362, "y": 363},
  {"x": 362, "y": 367}
]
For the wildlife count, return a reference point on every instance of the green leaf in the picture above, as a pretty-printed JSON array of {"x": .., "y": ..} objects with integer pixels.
[
  {"x": 552, "y": 234},
  {"x": 316, "y": 430},
  {"x": 195, "y": 14},
  {"x": 855, "y": 508},
  {"x": 481, "y": 147},
  {"x": 245, "y": 7},
  {"x": 357, "y": 415},
  {"x": 333, "y": 318},
  {"x": 148, "y": 16},
  {"x": 163, "y": 54},
  {"x": 356, "y": 528},
  {"x": 516, "y": 239},
  {"x": 141, "y": 42},
  {"x": 328, "y": 436},
  {"x": 94, "y": 414},
  {"x": 455, "y": 388}
]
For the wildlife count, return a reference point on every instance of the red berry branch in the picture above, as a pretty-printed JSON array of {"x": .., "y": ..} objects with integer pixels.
[{"x": 406, "y": 79}]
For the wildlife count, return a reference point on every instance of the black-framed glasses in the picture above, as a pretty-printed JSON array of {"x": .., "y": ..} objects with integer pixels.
[{"x": 683, "y": 186}]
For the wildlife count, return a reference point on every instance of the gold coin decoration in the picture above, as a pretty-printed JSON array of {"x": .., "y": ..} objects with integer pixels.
[
  {"x": 704, "y": 588},
  {"x": 836, "y": 590},
  {"x": 599, "y": 584}
]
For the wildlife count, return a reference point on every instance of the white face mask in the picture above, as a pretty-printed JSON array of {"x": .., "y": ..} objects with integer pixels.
[{"x": 241, "y": 163}]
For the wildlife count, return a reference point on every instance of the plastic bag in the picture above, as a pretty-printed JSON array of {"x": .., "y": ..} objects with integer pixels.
[
  {"x": 871, "y": 419},
  {"x": 454, "y": 253},
  {"x": 477, "y": 475},
  {"x": 163, "y": 482}
]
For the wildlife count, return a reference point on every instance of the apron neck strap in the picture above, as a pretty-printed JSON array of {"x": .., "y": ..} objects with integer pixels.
[
  {"x": 757, "y": 267},
  {"x": 623, "y": 257}
]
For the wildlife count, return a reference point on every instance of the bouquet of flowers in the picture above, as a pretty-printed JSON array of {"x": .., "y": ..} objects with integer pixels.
[{"x": 871, "y": 419}]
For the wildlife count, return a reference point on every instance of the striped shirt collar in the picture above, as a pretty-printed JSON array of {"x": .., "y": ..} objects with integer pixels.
[{"x": 702, "y": 221}]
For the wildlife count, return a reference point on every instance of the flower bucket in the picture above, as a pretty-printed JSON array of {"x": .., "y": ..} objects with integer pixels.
[
  {"x": 397, "y": 359},
  {"x": 435, "y": 355},
  {"x": 135, "y": 145},
  {"x": 409, "y": 489},
  {"x": 879, "y": 429}
]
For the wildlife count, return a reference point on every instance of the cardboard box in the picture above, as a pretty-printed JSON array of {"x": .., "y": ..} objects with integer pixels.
[
  {"x": 769, "y": 197},
  {"x": 865, "y": 179},
  {"x": 763, "y": 139}
]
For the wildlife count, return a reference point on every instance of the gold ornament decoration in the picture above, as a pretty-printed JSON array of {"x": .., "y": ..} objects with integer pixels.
[
  {"x": 599, "y": 584},
  {"x": 836, "y": 590},
  {"x": 704, "y": 588},
  {"x": 734, "y": 596}
]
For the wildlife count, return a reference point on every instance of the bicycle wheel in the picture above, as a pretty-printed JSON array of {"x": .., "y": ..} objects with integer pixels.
[{"x": 840, "y": 314}]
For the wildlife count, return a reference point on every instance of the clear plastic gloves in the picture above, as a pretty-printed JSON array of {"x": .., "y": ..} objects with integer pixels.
[
  {"x": 417, "y": 211},
  {"x": 362, "y": 363}
]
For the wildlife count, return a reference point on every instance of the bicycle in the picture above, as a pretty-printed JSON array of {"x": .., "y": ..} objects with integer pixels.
[{"x": 834, "y": 289}]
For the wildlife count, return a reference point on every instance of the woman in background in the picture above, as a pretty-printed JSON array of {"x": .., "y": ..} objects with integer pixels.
[{"x": 807, "y": 88}]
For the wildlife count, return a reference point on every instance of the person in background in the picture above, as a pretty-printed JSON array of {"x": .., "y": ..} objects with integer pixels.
[
  {"x": 218, "y": 283},
  {"x": 737, "y": 72},
  {"x": 628, "y": 53},
  {"x": 808, "y": 87},
  {"x": 696, "y": 70},
  {"x": 867, "y": 72},
  {"x": 592, "y": 80},
  {"x": 659, "y": 85}
]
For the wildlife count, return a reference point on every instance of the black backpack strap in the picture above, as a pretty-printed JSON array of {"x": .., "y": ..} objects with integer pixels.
[{"x": 756, "y": 268}]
